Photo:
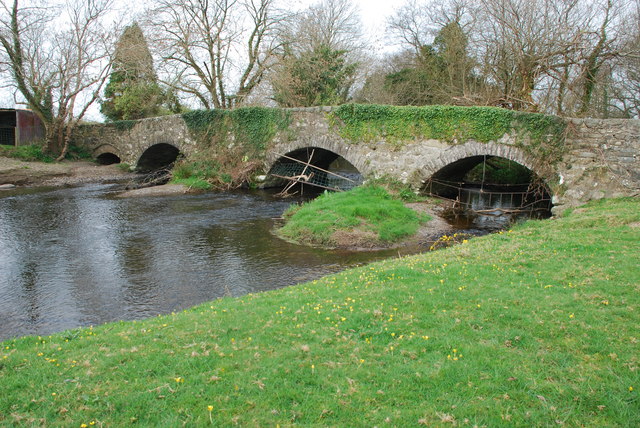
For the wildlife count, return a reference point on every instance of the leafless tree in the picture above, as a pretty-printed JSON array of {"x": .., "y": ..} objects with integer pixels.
[
  {"x": 578, "y": 82},
  {"x": 214, "y": 50},
  {"x": 624, "y": 91},
  {"x": 59, "y": 57},
  {"x": 321, "y": 49},
  {"x": 332, "y": 23},
  {"x": 523, "y": 40},
  {"x": 558, "y": 56},
  {"x": 416, "y": 23}
]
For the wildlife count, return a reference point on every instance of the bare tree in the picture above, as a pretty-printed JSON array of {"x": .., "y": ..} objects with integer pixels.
[
  {"x": 624, "y": 90},
  {"x": 441, "y": 69},
  {"x": 215, "y": 50},
  {"x": 332, "y": 23},
  {"x": 417, "y": 22},
  {"x": 586, "y": 71},
  {"x": 59, "y": 59},
  {"x": 523, "y": 40},
  {"x": 551, "y": 55},
  {"x": 319, "y": 59}
]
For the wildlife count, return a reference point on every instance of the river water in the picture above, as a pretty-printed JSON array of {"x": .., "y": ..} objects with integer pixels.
[{"x": 72, "y": 257}]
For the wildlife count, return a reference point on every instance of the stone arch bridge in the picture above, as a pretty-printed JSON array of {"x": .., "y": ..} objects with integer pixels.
[{"x": 601, "y": 157}]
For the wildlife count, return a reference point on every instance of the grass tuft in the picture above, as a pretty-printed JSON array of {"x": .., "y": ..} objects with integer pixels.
[
  {"x": 367, "y": 213},
  {"x": 193, "y": 183}
]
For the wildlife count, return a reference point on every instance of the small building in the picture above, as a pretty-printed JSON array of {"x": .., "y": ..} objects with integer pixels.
[{"x": 20, "y": 127}]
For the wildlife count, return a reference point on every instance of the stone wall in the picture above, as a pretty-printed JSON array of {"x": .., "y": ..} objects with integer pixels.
[{"x": 603, "y": 161}]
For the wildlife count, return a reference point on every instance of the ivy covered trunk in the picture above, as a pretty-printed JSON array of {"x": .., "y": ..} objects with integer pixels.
[{"x": 54, "y": 137}]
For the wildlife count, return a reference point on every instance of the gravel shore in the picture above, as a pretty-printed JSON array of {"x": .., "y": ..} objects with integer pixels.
[{"x": 20, "y": 173}]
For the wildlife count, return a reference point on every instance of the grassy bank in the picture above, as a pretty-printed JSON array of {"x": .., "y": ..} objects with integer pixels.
[
  {"x": 364, "y": 216},
  {"x": 533, "y": 327},
  {"x": 34, "y": 153}
]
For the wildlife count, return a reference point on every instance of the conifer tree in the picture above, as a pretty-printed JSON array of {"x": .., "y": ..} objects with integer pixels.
[{"x": 132, "y": 91}]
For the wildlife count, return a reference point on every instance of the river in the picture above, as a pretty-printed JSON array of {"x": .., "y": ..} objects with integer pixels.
[{"x": 80, "y": 256}]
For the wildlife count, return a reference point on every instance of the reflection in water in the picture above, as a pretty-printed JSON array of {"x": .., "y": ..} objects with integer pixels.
[
  {"x": 79, "y": 256},
  {"x": 496, "y": 208}
]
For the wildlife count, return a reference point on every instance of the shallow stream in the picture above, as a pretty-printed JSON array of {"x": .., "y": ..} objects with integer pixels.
[{"x": 72, "y": 257}]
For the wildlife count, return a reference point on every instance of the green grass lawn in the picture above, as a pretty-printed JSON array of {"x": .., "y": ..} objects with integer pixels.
[
  {"x": 365, "y": 215},
  {"x": 538, "y": 326}
]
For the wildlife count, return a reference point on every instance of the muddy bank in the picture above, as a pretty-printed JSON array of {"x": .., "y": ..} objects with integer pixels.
[
  {"x": 427, "y": 234},
  {"x": 19, "y": 173},
  {"x": 164, "y": 190},
  {"x": 14, "y": 173}
]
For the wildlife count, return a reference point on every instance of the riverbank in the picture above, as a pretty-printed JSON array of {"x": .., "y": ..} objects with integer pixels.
[
  {"x": 531, "y": 327},
  {"x": 21, "y": 173}
]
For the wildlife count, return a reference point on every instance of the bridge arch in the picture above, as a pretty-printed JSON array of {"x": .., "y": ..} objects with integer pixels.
[
  {"x": 157, "y": 156},
  {"x": 487, "y": 176},
  {"x": 336, "y": 146},
  {"x": 327, "y": 169},
  {"x": 472, "y": 153},
  {"x": 106, "y": 154}
]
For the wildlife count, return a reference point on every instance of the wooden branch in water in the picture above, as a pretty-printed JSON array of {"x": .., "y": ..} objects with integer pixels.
[{"x": 294, "y": 181}]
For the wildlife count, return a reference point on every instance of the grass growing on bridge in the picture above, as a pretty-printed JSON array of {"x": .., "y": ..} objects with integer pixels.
[
  {"x": 534, "y": 327},
  {"x": 231, "y": 144},
  {"x": 364, "y": 216},
  {"x": 360, "y": 122}
]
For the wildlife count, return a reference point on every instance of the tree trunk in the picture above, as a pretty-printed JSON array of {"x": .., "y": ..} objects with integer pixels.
[{"x": 54, "y": 137}]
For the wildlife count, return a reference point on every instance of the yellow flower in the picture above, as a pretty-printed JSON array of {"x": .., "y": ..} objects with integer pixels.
[
  {"x": 631, "y": 389},
  {"x": 210, "y": 408}
]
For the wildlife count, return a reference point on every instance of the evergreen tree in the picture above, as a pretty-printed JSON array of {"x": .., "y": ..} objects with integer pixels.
[
  {"x": 440, "y": 73},
  {"x": 132, "y": 91},
  {"x": 318, "y": 77}
]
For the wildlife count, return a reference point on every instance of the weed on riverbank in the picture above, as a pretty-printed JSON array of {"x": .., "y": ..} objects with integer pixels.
[
  {"x": 34, "y": 153},
  {"x": 533, "y": 327},
  {"x": 31, "y": 153}
]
